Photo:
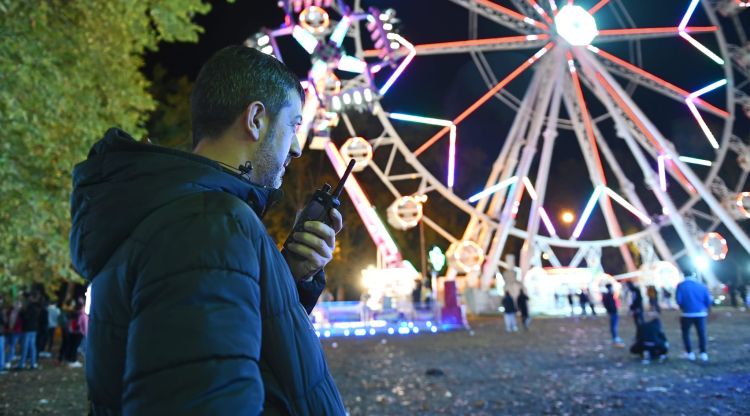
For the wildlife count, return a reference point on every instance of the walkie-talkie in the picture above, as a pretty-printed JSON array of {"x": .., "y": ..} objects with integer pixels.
[{"x": 320, "y": 204}]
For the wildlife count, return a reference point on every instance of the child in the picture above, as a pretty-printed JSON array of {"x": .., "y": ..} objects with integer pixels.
[{"x": 650, "y": 341}]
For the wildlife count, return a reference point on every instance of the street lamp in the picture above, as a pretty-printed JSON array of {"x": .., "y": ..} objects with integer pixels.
[{"x": 567, "y": 217}]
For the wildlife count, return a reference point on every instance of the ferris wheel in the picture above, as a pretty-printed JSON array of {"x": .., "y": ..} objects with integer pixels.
[{"x": 581, "y": 81}]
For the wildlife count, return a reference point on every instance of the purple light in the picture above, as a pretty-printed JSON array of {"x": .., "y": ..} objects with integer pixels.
[
  {"x": 452, "y": 157},
  {"x": 587, "y": 212},
  {"x": 351, "y": 64},
  {"x": 547, "y": 222},
  {"x": 662, "y": 173},
  {"x": 627, "y": 205},
  {"x": 688, "y": 15},
  {"x": 337, "y": 37},
  {"x": 305, "y": 39},
  {"x": 702, "y": 123},
  {"x": 400, "y": 69},
  {"x": 702, "y": 48},
  {"x": 708, "y": 88},
  {"x": 492, "y": 189}
]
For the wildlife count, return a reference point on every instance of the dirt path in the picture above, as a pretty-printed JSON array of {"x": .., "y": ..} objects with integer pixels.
[{"x": 561, "y": 366}]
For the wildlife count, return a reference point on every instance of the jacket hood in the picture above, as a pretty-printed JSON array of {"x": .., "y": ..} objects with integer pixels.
[{"x": 123, "y": 181}]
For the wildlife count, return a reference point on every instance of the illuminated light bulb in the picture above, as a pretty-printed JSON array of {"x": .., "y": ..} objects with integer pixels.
[
  {"x": 314, "y": 19},
  {"x": 263, "y": 40},
  {"x": 367, "y": 94},
  {"x": 395, "y": 45},
  {"x": 305, "y": 39},
  {"x": 701, "y": 263},
  {"x": 357, "y": 97},
  {"x": 352, "y": 64},
  {"x": 336, "y": 103},
  {"x": 576, "y": 25},
  {"x": 268, "y": 50},
  {"x": 741, "y": 203},
  {"x": 347, "y": 99}
]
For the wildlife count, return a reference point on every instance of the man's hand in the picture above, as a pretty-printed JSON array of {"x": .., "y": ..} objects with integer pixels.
[{"x": 314, "y": 246}]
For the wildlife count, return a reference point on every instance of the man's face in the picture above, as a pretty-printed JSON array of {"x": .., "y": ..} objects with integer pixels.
[{"x": 279, "y": 145}]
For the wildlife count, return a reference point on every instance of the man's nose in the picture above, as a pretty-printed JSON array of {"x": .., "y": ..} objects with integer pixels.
[{"x": 295, "y": 151}]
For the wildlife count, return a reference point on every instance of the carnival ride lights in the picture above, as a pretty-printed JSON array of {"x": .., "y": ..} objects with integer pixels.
[
  {"x": 575, "y": 25},
  {"x": 360, "y": 150},
  {"x": 406, "y": 212},
  {"x": 566, "y": 64},
  {"x": 702, "y": 263},
  {"x": 743, "y": 203},
  {"x": 715, "y": 246}
]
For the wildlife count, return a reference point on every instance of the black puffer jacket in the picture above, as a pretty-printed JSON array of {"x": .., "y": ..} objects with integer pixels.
[{"x": 194, "y": 310}]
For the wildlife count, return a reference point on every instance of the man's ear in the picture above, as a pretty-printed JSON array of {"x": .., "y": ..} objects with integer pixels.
[{"x": 254, "y": 119}]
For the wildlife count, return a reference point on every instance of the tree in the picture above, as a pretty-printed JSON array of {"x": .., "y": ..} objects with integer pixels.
[{"x": 68, "y": 71}]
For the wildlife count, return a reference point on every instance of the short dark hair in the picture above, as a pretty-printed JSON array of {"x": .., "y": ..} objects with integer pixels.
[{"x": 231, "y": 79}]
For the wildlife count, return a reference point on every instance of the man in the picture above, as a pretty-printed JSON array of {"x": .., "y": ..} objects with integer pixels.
[
  {"x": 510, "y": 310},
  {"x": 583, "y": 300},
  {"x": 194, "y": 310},
  {"x": 53, "y": 314},
  {"x": 650, "y": 340},
  {"x": 695, "y": 303},
  {"x": 29, "y": 326},
  {"x": 523, "y": 306},
  {"x": 636, "y": 303},
  {"x": 610, "y": 304}
]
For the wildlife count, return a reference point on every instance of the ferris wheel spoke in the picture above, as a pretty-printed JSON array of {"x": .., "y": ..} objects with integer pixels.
[
  {"x": 576, "y": 104},
  {"x": 664, "y": 86},
  {"x": 598, "y": 6},
  {"x": 638, "y": 132},
  {"x": 502, "y": 15},
  {"x": 640, "y": 33},
  {"x": 586, "y": 116},
  {"x": 483, "y": 99},
  {"x": 483, "y": 45},
  {"x": 539, "y": 10},
  {"x": 642, "y": 130},
  {"x": 506, "y": 43}
]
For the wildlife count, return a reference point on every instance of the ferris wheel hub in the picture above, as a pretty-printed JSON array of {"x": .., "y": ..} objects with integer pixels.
[{"x": 576, "y": 25}]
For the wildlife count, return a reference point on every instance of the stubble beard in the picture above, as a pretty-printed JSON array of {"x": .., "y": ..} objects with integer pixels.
[{"x": 266, "y": 170}]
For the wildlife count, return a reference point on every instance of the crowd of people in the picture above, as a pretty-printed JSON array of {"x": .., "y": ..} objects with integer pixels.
[
  {"x": 692, "y": 298},
  {"x": 30, "y": 326}
]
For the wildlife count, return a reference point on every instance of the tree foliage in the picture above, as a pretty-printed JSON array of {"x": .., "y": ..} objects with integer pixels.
[{"x": 68, "y": 71}]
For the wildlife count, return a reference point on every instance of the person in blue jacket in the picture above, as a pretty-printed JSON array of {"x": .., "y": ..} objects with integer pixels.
[
  {"x": 194, "y": 309},
  {"x": 695, "y": 303}
]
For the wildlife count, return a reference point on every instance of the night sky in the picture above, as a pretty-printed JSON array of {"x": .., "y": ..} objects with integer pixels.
[{"x": 444, "y": 86}]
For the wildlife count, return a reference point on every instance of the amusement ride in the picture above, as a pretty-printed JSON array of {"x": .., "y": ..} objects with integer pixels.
[{"x": 581, "y": 76}]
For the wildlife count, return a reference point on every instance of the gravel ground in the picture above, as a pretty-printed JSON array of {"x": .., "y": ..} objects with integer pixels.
[{"x": 561, "y": 366}]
